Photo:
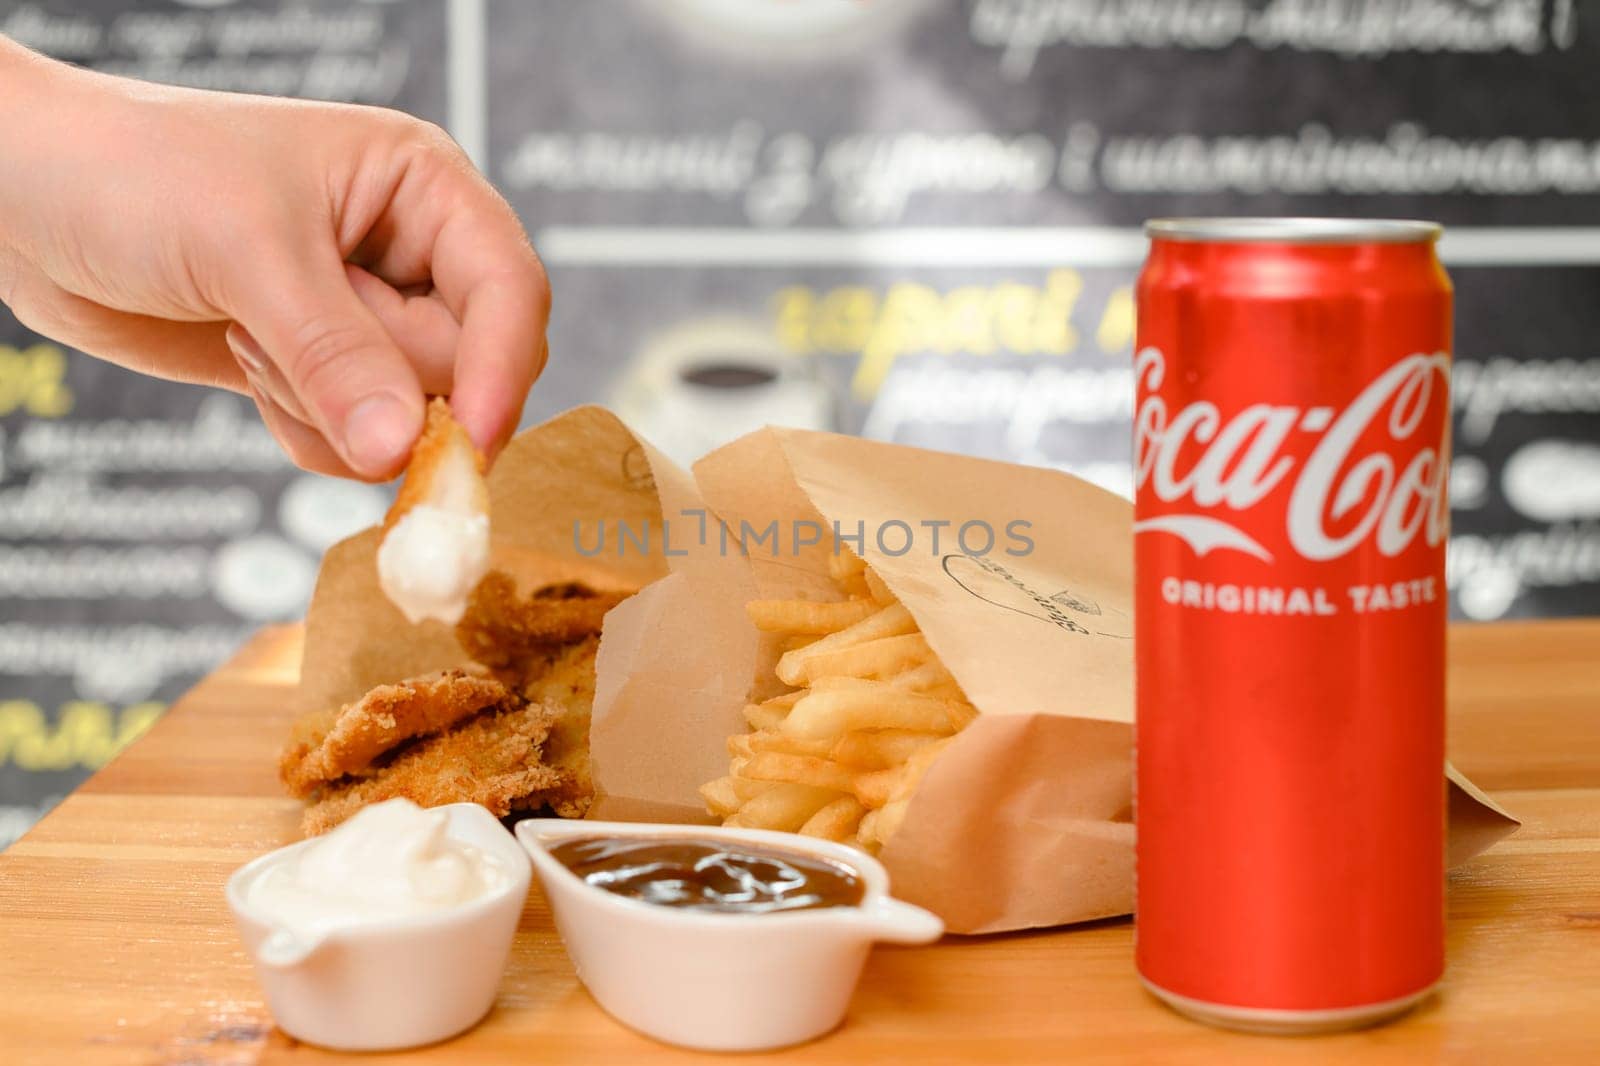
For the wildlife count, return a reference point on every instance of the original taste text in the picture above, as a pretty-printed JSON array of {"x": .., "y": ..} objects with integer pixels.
[{"x": 1299, "y": 600}]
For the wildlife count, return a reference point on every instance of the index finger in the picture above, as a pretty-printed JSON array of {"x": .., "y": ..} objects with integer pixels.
[{"x": 490, "y": 277}]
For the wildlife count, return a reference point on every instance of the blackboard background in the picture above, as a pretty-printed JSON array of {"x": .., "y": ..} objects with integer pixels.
[
  {"x": 234, "y": 531},
  {"x": 762, "y": 133}
]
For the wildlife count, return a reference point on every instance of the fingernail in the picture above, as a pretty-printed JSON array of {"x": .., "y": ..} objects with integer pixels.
[
  {"x": 379, "y": 433},
  {"x": 253, "y": 377},
  {"x": 265, "y": 382},
  {"x": 251, "y": 355}
]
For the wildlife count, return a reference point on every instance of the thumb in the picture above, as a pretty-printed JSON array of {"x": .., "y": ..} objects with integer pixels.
[{"x": 347, "y": 373}]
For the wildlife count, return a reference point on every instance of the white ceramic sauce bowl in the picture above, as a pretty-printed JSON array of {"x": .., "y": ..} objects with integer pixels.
[
  {"x": 720, "y": 982},
  {"x": 397, "y": 983}
]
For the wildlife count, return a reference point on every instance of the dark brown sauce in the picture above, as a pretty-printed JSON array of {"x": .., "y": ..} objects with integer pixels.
[{"x": 710, "y": 875}]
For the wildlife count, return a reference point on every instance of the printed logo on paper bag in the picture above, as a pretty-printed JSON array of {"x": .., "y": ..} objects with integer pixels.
[{"x": 1068, "y": 609}]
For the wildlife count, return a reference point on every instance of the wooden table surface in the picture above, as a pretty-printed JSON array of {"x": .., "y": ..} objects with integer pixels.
[{"x": 116, "y": 945}]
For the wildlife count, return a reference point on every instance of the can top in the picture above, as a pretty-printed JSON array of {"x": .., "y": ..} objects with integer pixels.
[{"x": 1295, "y": 230}]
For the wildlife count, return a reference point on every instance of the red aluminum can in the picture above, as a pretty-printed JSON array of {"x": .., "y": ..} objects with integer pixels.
[{"x": 1291, "y": 459}]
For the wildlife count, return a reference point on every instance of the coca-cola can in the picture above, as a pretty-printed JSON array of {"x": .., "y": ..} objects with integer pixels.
[{"x": 1291, "y": 458}]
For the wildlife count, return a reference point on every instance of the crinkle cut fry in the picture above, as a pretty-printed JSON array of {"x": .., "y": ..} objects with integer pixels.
[
  {"x": 386, "y": 716},
  {"x": 492, "y": 760}
]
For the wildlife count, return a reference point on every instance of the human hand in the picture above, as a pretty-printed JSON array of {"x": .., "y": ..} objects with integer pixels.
[{"x": 334, "y": 262}]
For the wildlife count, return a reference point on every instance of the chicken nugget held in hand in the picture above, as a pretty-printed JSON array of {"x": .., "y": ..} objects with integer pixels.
[{"x": 435, "y": 545}]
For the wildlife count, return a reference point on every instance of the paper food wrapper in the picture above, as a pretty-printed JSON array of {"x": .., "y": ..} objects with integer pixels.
[
  {"x": 545, "y": 493},
  {"x": 576, "y": 498},
  {"x": 1026, "y": 819},
  {"x": 561, "y": 495},
  {"x": 1023, "y": 821}
]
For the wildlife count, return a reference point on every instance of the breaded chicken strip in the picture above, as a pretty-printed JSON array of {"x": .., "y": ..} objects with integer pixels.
[
  {"x": 516, "y": 740},
  {"x": 324, "y": 749},
  {"x": 503, "y": 630},
  {"x": 567, "y": 681},
  {"x": 436, "y": 536},
  {"x": 492, "y": 760}
]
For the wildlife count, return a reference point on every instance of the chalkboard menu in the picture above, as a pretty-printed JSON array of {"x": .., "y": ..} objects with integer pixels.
[
  {"x": 912, "y": 219},
  {"x": 931, "y": 210},
  {"x": 147, "y": 528}
]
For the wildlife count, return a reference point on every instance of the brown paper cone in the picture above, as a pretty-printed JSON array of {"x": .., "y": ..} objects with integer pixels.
[
  {"x": 574, "y": 469},
  {"x": 1025, "y": 820}
]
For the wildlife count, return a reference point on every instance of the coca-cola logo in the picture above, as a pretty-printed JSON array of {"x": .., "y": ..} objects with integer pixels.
[{"x": 1364, "y": 477}]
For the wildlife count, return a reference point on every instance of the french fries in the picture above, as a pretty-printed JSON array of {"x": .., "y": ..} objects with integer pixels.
[
  {"x": 804, "y": 618},
  {"x": 844, "y": 565},
  {"x": 879, "y": 749},
  {"x": 876, "y": 588},
  {"x": 837, "y": 820},
  {"x": 784, "y": 744},
  {"x": 882, "y": 658},
  {"x": 786, "y": 807},
  {"x": 891, "y": 621},
  {"x": 771, "y": 713},
  {"x": 800, "y": 770},
  {"x": 833, "y": 712},
  {"x": 840, "y": 756}
]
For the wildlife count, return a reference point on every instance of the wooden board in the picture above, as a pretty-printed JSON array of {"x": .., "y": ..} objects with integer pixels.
[{"x": 116, "y": 946}]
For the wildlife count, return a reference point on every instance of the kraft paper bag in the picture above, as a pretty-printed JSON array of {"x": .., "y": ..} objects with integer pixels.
[
  {"x": 1026, "y": 819},
  {"x": 579, "y": 497},
  {"x": 545, "y": 492}
]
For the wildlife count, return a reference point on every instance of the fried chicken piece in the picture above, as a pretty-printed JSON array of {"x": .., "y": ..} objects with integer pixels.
[
  {"x": 567, "y": 680},
  {"x": 435, "y": 544},
  {"x": 503, "y": 630},
  {"x": 517, "y": 740},
  {"x": 445, "y": 468},
  {"x": 492, "y": 760},
  {"x": 325, "y": 748}
]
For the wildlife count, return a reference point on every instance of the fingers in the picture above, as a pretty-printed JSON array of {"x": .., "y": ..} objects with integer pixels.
[
  {"x": 444, "y": 223},
  {"x": 228, "y": 356},
  {"x": 262, "y": 375},
  {"x": 350, "y": 378},
  {"x": 191, "y": 352},
  {"x": 304, "y": 444},
  {"x": 502, "y": 353},
  {"x": 490, "y": 277},
  {"x": 420, "y": 324}
]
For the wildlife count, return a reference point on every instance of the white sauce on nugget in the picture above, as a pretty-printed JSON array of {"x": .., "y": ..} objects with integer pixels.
[{"x": 431, "y": 561}]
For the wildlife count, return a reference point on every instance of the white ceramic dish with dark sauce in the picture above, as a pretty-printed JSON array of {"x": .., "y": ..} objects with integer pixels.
[{"x": 720, "y": 981}]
